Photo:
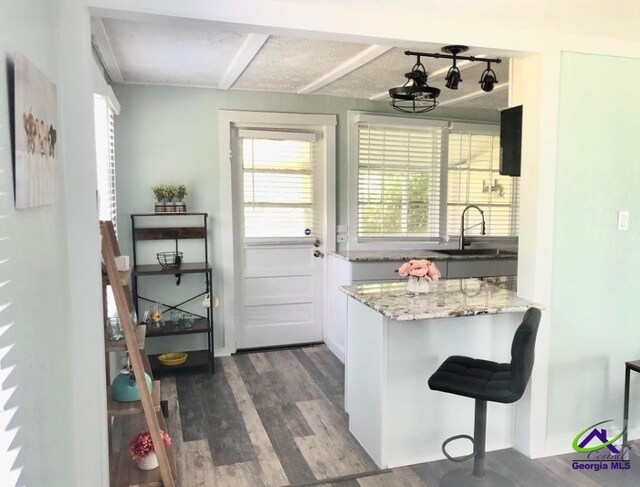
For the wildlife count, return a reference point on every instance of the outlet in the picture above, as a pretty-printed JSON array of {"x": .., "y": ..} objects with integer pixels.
[
  {"x": 341, "y": 238},
  {"x": 623, "y": 220}
]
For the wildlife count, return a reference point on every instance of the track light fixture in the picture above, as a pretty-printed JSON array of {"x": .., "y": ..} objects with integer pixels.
[
  {"x": 488, "y": 79},
  {"x": 453, "y": 77},
  {"x": 416, "y": 96}
]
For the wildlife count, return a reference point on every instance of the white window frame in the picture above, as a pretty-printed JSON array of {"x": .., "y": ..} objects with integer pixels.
[{"x": 381, "y": 243}]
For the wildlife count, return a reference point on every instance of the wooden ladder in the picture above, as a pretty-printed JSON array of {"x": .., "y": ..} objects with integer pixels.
[{"x": 124, "y": 304}]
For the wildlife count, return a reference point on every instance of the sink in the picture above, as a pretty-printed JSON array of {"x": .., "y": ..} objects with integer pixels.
[{"x": 478, "y": 253}]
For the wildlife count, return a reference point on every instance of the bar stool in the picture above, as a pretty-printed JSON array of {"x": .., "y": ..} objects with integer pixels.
[{"x": 486, "y": 381}]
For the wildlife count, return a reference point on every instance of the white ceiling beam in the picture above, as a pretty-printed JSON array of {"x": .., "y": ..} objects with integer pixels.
[
  {"x": 438, "y": 73},
  {"x": 252, "y": 44},
  {"x": 472, "y": 96},
  {"x": 350, "y": 65},
  {"x": 105, "y": 51}
]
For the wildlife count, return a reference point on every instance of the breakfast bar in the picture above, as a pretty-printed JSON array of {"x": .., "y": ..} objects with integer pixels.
[{"x": 397, "y": 339}]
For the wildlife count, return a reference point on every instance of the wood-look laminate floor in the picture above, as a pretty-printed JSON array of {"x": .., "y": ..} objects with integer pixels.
[{"x": 277, "y": 419}]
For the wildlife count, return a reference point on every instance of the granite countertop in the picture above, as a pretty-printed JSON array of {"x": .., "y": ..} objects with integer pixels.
[
  {"x": 395, "y": 255},
  {"x": 387, "y": 255},
  {"x": 446, "y": 299}
]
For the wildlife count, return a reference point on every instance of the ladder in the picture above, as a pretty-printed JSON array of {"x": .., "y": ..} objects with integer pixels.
[{"x": 122, "y": 469}]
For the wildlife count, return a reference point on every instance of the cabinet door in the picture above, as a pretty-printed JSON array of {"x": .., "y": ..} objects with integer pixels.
[
  {"x": 481, "y": 268},
  {"x": 385, "y": 271}
]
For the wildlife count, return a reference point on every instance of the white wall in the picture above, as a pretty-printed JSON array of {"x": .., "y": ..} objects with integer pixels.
[{"x": 39, "y": 287}]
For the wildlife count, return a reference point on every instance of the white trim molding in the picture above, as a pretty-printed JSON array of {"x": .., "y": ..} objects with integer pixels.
[{"x": 249, "y": 49}]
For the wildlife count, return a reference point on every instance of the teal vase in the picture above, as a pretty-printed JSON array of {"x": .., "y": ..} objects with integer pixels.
[{"x": 125, "y": 389}]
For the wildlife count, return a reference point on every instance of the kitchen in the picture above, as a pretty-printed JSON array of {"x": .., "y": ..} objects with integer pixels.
[{"x": 562, "y": 203}]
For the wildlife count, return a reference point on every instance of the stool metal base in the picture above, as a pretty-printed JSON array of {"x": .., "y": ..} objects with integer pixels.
[{"x": 463, "y": 477}]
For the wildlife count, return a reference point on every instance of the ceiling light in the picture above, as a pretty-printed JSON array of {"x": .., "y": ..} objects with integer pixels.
[
  {"x": 454, "y": 77},
  {"x": 415, "y": 96},
  {"x": 488, "y": 79}
]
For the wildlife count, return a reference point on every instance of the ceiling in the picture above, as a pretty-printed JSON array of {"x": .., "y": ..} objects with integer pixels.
[{"x": 197, "y": 55}]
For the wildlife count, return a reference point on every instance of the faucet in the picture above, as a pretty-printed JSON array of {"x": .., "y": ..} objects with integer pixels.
[{"x": 462, "y": 229}]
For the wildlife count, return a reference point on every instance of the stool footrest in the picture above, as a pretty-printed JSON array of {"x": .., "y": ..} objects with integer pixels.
[{"x": 458, "y": 459}]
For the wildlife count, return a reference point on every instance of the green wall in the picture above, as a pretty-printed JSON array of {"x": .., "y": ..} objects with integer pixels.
[
  {"x": 168, "y": 134},
  {"x": 35, "y": 276},
  {"x": 596, "y": 327}
]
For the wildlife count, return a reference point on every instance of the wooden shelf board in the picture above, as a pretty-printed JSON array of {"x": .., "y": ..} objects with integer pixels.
[
  {"x": 125, "y": 277},
  {"x": 124, "y": 472},
  {"x": 116, "y": 408},
  {"x": 200, "y": 325},
  {"x": 170, "y": 233},
  {"x": 196, "y": 359},
  {"x": 185, "y": 268},
  {"x": 121, "y": 345}
]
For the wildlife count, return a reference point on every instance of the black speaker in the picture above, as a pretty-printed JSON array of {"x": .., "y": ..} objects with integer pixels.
[{"x": 510, "y": 141}]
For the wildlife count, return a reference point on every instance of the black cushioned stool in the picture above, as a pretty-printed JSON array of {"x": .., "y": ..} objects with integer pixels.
[{"x": 486, "y": 381}]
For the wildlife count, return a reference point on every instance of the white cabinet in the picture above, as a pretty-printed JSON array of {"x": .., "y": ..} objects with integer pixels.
[{"x": 341, "y": 272}]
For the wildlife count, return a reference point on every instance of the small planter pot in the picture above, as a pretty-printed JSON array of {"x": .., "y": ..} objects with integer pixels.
[
  {"x": 160, "y": 207},
  {"x": 181, "y": 207},
  {"x": 170, "y": 207},
  {"x": 149, "y": 462}
]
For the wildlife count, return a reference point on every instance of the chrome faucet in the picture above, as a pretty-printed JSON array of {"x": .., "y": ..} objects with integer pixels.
[{"x": 462, "y": 229}]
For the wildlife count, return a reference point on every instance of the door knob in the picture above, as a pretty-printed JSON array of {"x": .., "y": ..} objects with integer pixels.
[
  {"x": 317, "y": 253},
  {"x": 316, "y": 242}
]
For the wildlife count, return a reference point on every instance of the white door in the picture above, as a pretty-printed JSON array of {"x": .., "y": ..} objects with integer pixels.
[{"x": 277, "y": 191}]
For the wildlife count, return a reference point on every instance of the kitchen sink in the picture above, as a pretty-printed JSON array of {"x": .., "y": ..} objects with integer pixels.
[{"x": 478, "y": 253}]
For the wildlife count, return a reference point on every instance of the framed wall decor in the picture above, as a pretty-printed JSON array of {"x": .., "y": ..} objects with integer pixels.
[{"x": 36, "y": 134}]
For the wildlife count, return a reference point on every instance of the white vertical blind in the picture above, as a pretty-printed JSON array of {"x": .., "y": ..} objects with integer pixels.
[
  {"x": 474, "y": 179},
  {"x": 9, "y": 472},
  {"x": 399, "y": 171},
  {"x": 278, "y": 187},
  {"x": 106, "y": 159}
]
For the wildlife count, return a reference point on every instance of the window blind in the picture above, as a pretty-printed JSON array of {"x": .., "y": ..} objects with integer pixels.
[
  {"x": 278, "y": 187},
  {"x": 106, "y": 159},
  {"x": 399, "y": 169},
  {"x": 474, "y": 179}
]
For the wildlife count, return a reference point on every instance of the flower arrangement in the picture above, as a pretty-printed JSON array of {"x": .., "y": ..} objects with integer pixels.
[
  {"x": 182, "y": 192},
  {"x": 420, "y": 268},
  {"x": 164, "y": 192},
  {"x": 141, "y": 446}
]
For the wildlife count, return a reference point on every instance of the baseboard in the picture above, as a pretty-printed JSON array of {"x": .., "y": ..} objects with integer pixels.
[{"x": 336, "y": 349}]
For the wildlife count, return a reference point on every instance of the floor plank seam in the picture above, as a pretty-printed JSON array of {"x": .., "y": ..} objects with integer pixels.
[{"x": 341, "y": 478}]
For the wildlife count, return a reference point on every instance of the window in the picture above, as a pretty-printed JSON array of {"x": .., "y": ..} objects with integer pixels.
[
  {"x": 473, "y": 179},
  {"x": 413, "y": 178},
  {"x": 399, "y": 178},
  {"x": 277, "y": 183},
  {"x": 105, "y": 159}
]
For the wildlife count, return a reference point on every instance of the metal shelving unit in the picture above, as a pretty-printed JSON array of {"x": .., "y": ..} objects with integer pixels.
[{"x": 202, "y": 324}]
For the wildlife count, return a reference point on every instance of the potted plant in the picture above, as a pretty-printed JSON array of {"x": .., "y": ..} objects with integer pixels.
[
  {"x": 181, "y": 193},
  {"x": 142, "y": 450},
  {"x": 159, "y": 193},
  {"x": 170, "y": 193}
]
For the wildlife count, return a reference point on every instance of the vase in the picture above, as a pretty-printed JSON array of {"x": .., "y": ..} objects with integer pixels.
[
  {"x": 181, "y": 207},
  {"x": 418, "y": 285},
  {"x": 159, "y": 207},
  {"x": 149, "y": 462}
]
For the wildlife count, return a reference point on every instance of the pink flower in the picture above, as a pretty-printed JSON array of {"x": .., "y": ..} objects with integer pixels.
[
  {"x": 420, "y": 268},
  {"x": 141, "y": 445}
]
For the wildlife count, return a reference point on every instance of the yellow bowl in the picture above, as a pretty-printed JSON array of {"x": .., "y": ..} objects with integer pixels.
[{"x": 173, "y": 359}]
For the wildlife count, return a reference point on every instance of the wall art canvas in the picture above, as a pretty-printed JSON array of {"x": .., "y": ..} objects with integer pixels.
[{"x": 36, "y": 129}]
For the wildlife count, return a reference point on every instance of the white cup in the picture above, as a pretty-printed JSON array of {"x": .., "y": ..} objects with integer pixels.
[{"x": 122, "y": 263}]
